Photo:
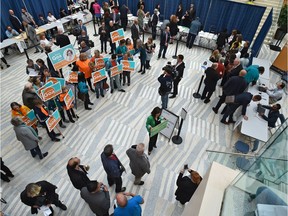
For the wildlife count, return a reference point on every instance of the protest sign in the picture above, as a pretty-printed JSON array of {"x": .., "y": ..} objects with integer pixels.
[
  {"x": 30, "y": 119},
  {"x": 51, "y": 91},
  {"x": 99, "y": 75},
  {"x": 116, "y": 70},
  {"x": 53, "y": 120},
  {"x": 100, "y": 63},
  {"x": 73, "y": 77},
  {"x": 117, "y": 35},
  {"x": 54, "y": 80},
  {"x": 62, "y": 57},
  {"x": 69, "y": 98},
  {"x": 128, "y": 65}
]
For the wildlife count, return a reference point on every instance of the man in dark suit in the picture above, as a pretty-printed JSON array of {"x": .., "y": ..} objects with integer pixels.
[
  {"x": 32, "y": 36},
  {"x": 164, "y": 41},
  {"x": 234, "y": 86},
  {"x": 179, "y": 67},
  {"x": 237, "y": 68},
  {"x": 210, "y": 82},
  {"x": 240, "y": 100},
  {"x": 136, "y": 30},
  {"x": 15, "y": 21},
  {"x": 112, "y": 27},
  {"x": 123, "y": 16},
  {"x": 114, "y": 16},
  {"x": 77, "y": 173}
]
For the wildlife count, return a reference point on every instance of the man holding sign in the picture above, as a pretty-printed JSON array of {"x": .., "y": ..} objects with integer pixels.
[
  {"x": 113, "y": 72},
  {"x": 42, "y": 115}
]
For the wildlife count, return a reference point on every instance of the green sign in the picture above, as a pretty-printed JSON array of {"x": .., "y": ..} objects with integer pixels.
[{"x": 155, "y": 130}]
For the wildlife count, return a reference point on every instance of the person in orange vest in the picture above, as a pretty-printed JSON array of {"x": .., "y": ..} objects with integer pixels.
[
  {"x": 69, "y": 110},
  {"x": 42, "y": 115}
]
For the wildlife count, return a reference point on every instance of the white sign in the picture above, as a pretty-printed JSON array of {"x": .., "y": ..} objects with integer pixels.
[{"x": 172, "y": 121}]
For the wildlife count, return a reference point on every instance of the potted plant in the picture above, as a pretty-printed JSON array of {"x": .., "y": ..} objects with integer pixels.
[{"x": 282, "y": 23}]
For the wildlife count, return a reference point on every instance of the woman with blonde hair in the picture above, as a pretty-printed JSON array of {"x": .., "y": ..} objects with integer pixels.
[
  {"x": 215, "y": 56},
  {"x": 187, "y": 185},
  {"x": 85, "y": 67}
]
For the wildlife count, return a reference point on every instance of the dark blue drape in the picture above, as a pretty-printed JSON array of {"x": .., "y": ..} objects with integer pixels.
[
  {"x": 233, "y": 15},
  {"x": 262, "y": 34},
  {"x": 34, "y": 7}
]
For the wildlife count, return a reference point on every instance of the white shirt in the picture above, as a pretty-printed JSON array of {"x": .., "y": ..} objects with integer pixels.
[
  {"x": 45, "y": 42},
  {"x": 275, "y": 94},
  {"x": 51, "y": 19}
]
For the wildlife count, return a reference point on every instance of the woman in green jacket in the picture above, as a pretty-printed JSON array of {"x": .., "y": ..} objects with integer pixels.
[{"x": 153, "y": 120}]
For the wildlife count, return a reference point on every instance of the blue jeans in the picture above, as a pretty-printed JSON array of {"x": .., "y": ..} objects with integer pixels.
[
  {"x": 99, "y": 87},
  {"x": 190, "y": 40},
  {"x": 164, "y": 100}
]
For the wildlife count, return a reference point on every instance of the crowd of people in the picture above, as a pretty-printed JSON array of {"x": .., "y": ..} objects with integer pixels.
[{"x": 229, "y": 63}]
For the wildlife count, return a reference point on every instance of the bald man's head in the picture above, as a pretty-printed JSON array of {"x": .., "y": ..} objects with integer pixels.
[
  {"x": 236, "y": 62},
  {"x": 242, "y": 73},
  {"x": 121, "y": 200}
]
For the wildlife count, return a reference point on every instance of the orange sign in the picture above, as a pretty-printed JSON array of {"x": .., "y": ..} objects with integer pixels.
[
  {"x": 128, "y": 65},
  {"x": 51, "y": 91},
  {"x": 53, "y": 120},
  {"x": 117, "y": 35},
  {"x": 116, "y": 70},
  {"x": 73, "y": 77}
]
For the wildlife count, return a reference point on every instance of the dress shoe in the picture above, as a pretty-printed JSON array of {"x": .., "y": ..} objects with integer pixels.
[
  {"x": 202, "y": 98},
  {"x": 128, "y": 84},
  {"x": 164, "y": 57},
  {"x": 123, "y": 189},
  {"x": 88, "y": 108},
  {"x": 139, "y": 71},
  {"x": 149, "y": 153},
  {"x": 39, "y": 137},
  {"x": 37, "y": 51},
  {"x": 173, "y": 96},
  {"x": 111, "y": 91},
  {"x": 231, "y": 121},
  {"x": 66, "y": 121},
  {"x": 206, "y": 101},
  {"x": 143, "y": 72},
  {"x": 214, "y": 109},
  {"x": 140, "y": 183},
  {"x": 5, "y": 178},
  {"x": 97, "y": 96},
  {"x": 72, "y": 121},
  {"x": 154, "y": 146},
  {"x": 56, "y": 140},
  {"x": 224, "y": 122},
  {"x": 93, "y": 90},
  {"x": 90, "y": 103},
  {"x": 121, "y": 90},
  {"x": 10, "y": 175},
  {"x": 102, "y": 95},
  {"x": 110, "y": 53},
  {"x": 62, "y": 206},
  {"x": 63, "y": 126},
  {"x": 44, "y": 155},
  {"x": 8, "y": 65},
  {"x": 57, "y": 134}
]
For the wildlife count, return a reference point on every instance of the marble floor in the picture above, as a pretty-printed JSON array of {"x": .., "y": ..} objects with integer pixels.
[{"x": 118, "y": 119}]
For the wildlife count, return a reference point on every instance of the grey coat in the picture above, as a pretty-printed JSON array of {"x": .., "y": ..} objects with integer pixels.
[
  {"x": 139, "y": 164},
  {"x": 31, "y": 33},
  {"x": 25, "y": 135}
]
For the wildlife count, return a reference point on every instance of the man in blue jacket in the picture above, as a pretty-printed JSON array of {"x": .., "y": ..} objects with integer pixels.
[
  {"x": 166, "y": 81},
  {"x": 113, "y": 167},
  {"x": 193, "y": 32}
]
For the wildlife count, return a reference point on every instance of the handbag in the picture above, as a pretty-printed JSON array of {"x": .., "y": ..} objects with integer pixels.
[
  {"x": 105, "y": 85},
  {"x": 230, "y": 99},
  {"x": 161, "y": 92}
]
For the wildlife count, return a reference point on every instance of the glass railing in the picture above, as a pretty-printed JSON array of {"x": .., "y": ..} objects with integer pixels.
[{"x": 263, "y": 174}]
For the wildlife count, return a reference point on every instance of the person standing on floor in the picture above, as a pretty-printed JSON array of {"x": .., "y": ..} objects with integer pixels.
[
  {"x": 113, "y": 168},
  {"x": 136, "y": 31},
  {"x": 124, "y": 10},
  {"x": 187, "y": 186},
  {"x": 97, "y": 196},
  {"x": 166, "y": 81},
  {"x": 103, "y": 37},
  {"x": 83, "y": 90},
  {"x": 150, "y": 49},
  {"x": 6, "y": 172},
  {"x": 40, "y": 194},
  {"x": 129, "y": 207},
  {"x": 154, "y": 21},
  {"x": 179, "y": 68},
  {"x": 32, "y": 36},
  {"x": 193, "y": 32},
  {"x": 164, "y": 41},
  {"x": 141, "y": 49},
  {"x": 15, "y": 21},
  {"x": 77, "y": 173},
  {"x": 109, "y": 64},
  {"x": 111, "y": 27},
  {"x": 210, "y": 82},
  {"x": 28, "y": 137},
  {"x": 153, "y": 120},
  {"x": 69, "y": 110},
  {"x": 139, "y": 162}
]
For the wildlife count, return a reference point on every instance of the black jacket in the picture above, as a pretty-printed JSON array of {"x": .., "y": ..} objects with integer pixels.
[
  {"x": 15, "y": 23},
  {"x": 28, "y": 97},
  {"x": 163, "y": 38},
  {"x": 180, "y": 70},
  {"x": 222, "y": 39},
  {"x": 235, "y": 71},
  {"x": 211, "y": 78},
  {"x": 47, "y": 195},
  {"x": 78, "y": 178},
  {"x": 173, "y": 28},
  {"x": 234, "y": 86},
  {"x": 42, "y": 117},
  {"x": 186, "y": 188},
  {"x": 166, "y": 83},
  {"x": 243, "y": 99},
  {"x": 135, "y": 33},
  {"x": 103, "y": 36},
  {"x": 62, "y": 40},
  {"x": 272, "y": 117}
]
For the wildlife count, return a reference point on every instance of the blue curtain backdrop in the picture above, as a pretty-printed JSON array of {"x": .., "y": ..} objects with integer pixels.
[
  {"x": 35, "y": 7},
  {"x": 262, "y": 34},
  {"x": 233, "y": 15}
]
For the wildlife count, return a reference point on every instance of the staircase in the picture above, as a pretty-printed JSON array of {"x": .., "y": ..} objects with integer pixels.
[{"x": 269, "y": 4}]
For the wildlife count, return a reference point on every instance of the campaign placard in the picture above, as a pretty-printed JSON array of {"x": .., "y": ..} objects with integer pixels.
[
  {"x": 30, "y": 119},
  {"x": 73, "y": 77},
  {"x": 51, "y": 91},
  {"x": 54, "y": 80},
  {"x": 63, "y": 57},
  {"x": 117, "y": 35},
  {"x": 100, "y": 62},
  {"x": 155, "y": 130},
  {"x": 38, "y": 90},
  {"x": 53, "y": 120},
  {"x": 69, "y": 98},
  {"x": 99, "y": 75},
  {"x": 116, "y": 70},
  {"x": 128, "y": 65}
]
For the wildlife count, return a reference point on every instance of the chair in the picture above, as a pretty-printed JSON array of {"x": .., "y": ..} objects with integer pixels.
[
  {"x": 243, "y": 163},
  {"x": 244, "y": 147}
]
